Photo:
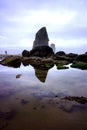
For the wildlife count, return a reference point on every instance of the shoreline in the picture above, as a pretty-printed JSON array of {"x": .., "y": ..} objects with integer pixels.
[{"x": 6, "y": 55}]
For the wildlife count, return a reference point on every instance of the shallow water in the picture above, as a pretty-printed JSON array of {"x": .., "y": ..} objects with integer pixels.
[{"x": 33, "y": 99}]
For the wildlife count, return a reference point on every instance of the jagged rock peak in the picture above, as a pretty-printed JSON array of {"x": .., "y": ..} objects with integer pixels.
[
  {"x": 42, "y": 34},
  {"x": 41, "y": 38}
]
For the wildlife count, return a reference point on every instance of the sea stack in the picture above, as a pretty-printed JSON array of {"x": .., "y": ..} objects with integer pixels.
[
  {"x": 41, "y": 38},
  {"x": 40, "y": 45}
]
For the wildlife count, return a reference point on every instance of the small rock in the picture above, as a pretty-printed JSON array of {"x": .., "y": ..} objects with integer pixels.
[
  {"x": 18, "y": 76},
  {"x": 25, "y": 53}
]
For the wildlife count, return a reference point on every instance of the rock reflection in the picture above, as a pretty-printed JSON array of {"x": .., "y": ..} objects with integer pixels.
[
  {"x": 41, "y": 71},
  {"x": 18, "y": 75},
  {"x": 25, "y": 62},
  {"x": 41, "y": 74},
  {"x": 41, "y": 68}
]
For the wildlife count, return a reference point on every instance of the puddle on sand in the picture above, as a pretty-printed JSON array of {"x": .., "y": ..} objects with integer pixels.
[{"x": 26, "y": 103}]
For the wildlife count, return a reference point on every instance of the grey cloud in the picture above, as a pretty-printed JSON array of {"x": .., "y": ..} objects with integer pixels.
[
  {"x": 70, "y": 33},
  {"x": 15, "y": 30}
]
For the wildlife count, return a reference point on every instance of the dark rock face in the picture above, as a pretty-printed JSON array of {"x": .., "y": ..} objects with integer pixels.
[
  {"x": 80, "y": 62},
  {"x": 25, "y": 53},
  {"x": 82, "y": 58},
  {"x": 61, "y": 56},
  {"x": 60, "y": 53},
  {"x": 41, "y": 38},
  {"x": 16, "y": 62},
  {"x": 42, "y": 51},
  {"x": 25, "y": 61},
  {"x": 72, "y": 55}
]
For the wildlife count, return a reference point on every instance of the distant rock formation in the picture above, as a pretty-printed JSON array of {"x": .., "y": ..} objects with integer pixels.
[
  {"x": 53, "y": 47},
  {"x": 41, "y": 38}
]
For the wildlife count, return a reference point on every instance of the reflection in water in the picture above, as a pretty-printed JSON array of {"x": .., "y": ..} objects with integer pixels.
[
  {"x": 41, "y": 70},
  {"x": 41, "y": 74},
  {"x": 27, "y": 104},
  {"x": 25, "y": 63},
  {"x": 18, "y": 75}
]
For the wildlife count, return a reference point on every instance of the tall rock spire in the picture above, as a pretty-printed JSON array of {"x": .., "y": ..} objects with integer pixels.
[{"x": 41, "y": 38}]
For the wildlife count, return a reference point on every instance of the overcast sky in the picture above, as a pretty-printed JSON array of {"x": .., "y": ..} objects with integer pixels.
[{"x": 65, "y": 20}]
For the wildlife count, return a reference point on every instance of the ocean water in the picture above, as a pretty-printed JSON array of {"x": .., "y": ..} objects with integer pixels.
[
  {"x": 18, "y": 50},
  {"x": 34, "y": 99}
]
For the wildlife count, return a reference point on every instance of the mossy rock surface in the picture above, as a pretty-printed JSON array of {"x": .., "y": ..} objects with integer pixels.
[
  {"x": 12, "y": 61},
  {"x": 7, "y": 60},
  {"x": 79, "y": 65},
  {"x": 49, "y": 65},
  {"x": 60, "y": 67}
]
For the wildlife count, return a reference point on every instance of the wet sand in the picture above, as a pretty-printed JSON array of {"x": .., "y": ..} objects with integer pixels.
[
  {"x": 28, "y": 104},
  {"x": 41, "y": 114}
]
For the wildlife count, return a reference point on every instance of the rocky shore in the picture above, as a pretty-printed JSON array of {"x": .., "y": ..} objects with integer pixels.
[
  {"x": 78, "y": 61},
  {"x": 43, "y": 56}
]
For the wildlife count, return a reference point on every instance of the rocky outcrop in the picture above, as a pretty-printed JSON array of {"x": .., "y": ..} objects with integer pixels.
[
  {"x": 41, "y": 38},
  {"x": 82, "y": 58},
  {"x": 61, "y": 56},
  {"x": 40, "y": 45},
  {"x": 60, "y": 53},
  {"x": 79, "y": 65},
  {"x": 72, "y": 55},
  {"x": 80, "y": 62},
  {"x": 25, "y": 53},
  {"x": 12, "y": 61},
  {"x": 42, "y": 51}
]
